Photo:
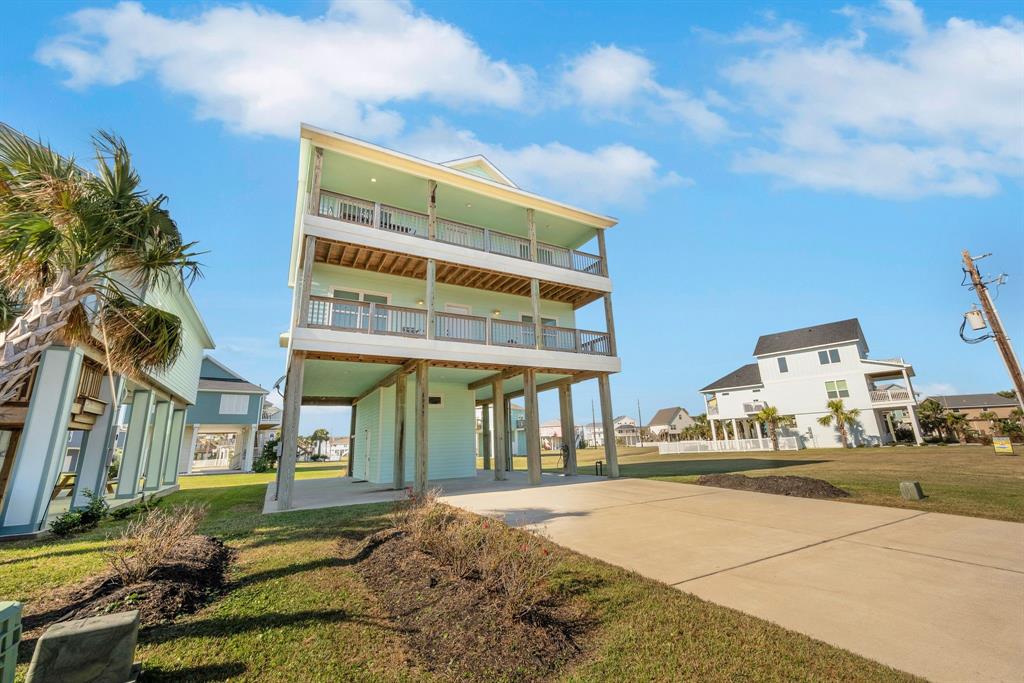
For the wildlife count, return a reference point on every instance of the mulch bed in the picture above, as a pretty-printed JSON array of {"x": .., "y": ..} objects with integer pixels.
[
  {"x": 190, "y": 577},
  {"x": 455, "y": 627},
  {"x": 802, "y": 487}
]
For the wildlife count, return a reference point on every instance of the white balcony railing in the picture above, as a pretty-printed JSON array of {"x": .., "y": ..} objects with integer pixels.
[
  {"x": 372, "y": 318},
  {"x": 753, "y": 407},
  {"x": 890, "y": 396},
  {"x": 383, "y": 217}
]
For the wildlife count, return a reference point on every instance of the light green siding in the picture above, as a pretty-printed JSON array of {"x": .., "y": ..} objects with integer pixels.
[
  {"x": 450, "y": 434},
  {"x": 409, "y": 292},
  {"x": 182, "y": 378}
]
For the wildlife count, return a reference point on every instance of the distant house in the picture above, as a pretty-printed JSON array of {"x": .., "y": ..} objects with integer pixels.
[
  {"x": 516, "y": 430},
  {"x": 668, "y": 423},
  {"x": 221, "y": 428},
  {"x": 799, "y": 371},
  {"x": 626, "y": 431},
  {"x": 973, "y": 405}
]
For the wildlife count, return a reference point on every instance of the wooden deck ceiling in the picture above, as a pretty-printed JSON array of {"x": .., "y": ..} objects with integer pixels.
[{"x": 405, "y": 265}]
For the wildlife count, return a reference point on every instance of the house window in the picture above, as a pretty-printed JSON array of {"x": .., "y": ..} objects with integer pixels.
[
  {"x": 234, "y": 404},
  {"x": 783, "y": 365},
  {"x": 830, "y": 356},
  {"x": 434, "y": 400},
  {"x": 837, "y": 389}
]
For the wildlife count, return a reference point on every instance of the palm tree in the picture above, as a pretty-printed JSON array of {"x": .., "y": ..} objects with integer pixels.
[
  {"x": 769, "y": 416},
  {"x": 843, "y": 418},
  {"x": 78, "y": 252},
  {"x": 958, "y": 426},
  {"x": 932, "y": 416},
  {"x": 318, "y": 437},
  {"x": 991, "y": 418}
]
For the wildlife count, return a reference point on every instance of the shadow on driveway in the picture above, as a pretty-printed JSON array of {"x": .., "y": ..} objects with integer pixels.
[{"x": 682, "y": 468}]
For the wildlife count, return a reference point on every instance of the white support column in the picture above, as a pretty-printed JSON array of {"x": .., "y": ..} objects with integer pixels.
[
  {"x": 158, "y": 446},
  {"x": 611, "y": 454},
  {"x": 250, "y": 448},
  {"x": 735, "y": 432},
  {"x": 714, "y": 432},
  {"x": 170, "y": 474},
  {"x": 136, "y": 444},
  {"x": 914, "y": 424},
  {"x": 429, "y": 296},
  {"x": 193, "y": 442},
  {"x": 39, "y": 455},
  {"x": 94, "y": 461},
  {"x": 290, "y": 430}
]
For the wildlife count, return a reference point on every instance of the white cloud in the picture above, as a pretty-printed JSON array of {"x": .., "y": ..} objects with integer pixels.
[
  {"x": 941, "y": 114},
  {"x": 609, "y": 175},
  {"x": 608, "y": 81},
  {"x": 261, "y": 71}
]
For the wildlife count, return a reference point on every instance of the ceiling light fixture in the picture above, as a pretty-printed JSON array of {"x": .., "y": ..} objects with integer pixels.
[
  {"x": 468, "y": 205},
  {"x": 373, "y": 180}
]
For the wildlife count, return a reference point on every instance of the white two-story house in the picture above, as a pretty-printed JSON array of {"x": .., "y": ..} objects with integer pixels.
[
  {"x": 422, "y": 290},
  {"x": 798, "y": 372}
]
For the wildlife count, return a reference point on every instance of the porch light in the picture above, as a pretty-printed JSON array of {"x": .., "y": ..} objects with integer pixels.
[
  {"x": 468, "y": 205},
  {"x": 496, "y": 313},
  {"x": 419, "y": 302},
  {"x": 373, "y": 180}
]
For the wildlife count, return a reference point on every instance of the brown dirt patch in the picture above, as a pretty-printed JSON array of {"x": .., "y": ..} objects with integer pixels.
[
  {"x": 187, "y": 580},
  {"x": 454, "y": 626},
  {"x": 802, "y": 487}
]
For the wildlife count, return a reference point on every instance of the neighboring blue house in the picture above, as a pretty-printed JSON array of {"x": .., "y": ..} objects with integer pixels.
[{"x": 221, "y": 428}]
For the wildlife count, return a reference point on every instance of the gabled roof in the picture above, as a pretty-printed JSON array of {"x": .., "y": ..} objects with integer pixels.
[
  {"x": 806, "y": 337},
  {"x": 974, "y": 401},
  {"x": 210, "y": 359},
  {"x": 480, "y": 165},
  {"x": 665, "y": 416},
  {"x": 748, "y": 375},
  {"x": 228, "y": 386}
]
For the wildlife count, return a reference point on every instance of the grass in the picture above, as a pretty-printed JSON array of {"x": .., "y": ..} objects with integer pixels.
[
  {"x": 960, "y": 480},
  {"x": 295, "y": 611}
]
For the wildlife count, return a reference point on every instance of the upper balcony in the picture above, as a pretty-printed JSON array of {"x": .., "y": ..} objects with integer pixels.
[{"x": 378, "y": 216}]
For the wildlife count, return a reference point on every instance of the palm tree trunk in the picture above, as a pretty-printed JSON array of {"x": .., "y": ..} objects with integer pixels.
[
  {"x": 40, "y": 327},
  {"x": 842, "y": 435}
]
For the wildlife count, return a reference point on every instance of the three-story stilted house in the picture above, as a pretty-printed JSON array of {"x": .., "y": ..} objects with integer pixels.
[{"x": 424, "y": 290}]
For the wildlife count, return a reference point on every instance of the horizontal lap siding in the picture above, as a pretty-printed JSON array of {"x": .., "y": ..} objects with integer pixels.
[
  {"x": 182, "y": 378},
  {"x": 451, "y": 432},
  {"x": 207, "y": 410},
  {"x": 367, "y": 420}
]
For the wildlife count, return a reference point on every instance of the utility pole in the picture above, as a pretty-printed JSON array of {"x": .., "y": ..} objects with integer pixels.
[
  {"x": 998, "y": 332},
  {"x": 639, "y": 424}
]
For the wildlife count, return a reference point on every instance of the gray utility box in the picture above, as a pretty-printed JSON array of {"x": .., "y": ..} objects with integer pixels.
[
  {"x": 911, "y": 490},
  {"x": 92, "y": 650}
]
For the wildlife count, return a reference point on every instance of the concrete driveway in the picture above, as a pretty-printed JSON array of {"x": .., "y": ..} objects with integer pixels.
[{"x": 936, "y": 595}]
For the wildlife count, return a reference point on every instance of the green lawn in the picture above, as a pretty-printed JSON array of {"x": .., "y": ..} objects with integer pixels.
[
  {"x": 295, "y": 612},
  {"x": 961, "y": 480}
]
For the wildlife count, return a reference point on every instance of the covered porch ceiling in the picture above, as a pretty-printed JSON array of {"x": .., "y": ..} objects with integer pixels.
[
  {"x": 337, "y": 379},
  {"x": 405, "y": 265}
]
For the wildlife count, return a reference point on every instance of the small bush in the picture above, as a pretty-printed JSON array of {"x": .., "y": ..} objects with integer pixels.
[
  {"x": 75, "y": 521},
  {"x": 149, "y": 540},
  {"x": 144, "y": 505}
]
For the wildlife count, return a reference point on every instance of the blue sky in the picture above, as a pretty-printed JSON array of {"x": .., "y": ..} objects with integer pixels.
[{"x": 773, "y": 165}]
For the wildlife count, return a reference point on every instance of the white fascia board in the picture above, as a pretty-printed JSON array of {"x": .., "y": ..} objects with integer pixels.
[
  {"x": 329, "y": 228},
  {"x": 359, "y": 343},
  {"x": 809, "y": 348},
  {"x": 721, "y": 389}
]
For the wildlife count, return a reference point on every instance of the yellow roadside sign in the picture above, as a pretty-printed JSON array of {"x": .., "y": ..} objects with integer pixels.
[{"x": 1002, "y": 445}]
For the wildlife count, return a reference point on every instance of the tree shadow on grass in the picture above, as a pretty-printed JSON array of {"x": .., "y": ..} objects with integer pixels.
[
  {"x": 682, "y": 468},
  {"x": 196, "y": 674},
  {"x": 219, "y": 627}
]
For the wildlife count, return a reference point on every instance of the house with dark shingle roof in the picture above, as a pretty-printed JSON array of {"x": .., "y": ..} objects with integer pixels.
[
  {"x": 222, "y": 428},
  {"x": 798, "y": 372}
]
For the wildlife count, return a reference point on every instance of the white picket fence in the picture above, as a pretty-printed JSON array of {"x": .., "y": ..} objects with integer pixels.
[{"x": 786, "y": 443}]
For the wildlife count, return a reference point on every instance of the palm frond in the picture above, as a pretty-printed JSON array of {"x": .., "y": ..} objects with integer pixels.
[{"x": 140, "y": 337}]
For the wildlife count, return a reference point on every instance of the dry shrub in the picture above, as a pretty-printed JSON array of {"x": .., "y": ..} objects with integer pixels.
[
  {"x": 148, "y": 541},
  {"x": 513, "y": 563}
]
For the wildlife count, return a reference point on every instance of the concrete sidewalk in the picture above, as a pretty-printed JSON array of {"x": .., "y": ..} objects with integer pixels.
[{"x": 936, "y": 595}]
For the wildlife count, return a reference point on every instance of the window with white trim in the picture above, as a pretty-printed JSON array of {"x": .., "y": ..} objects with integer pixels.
[
  {"x": 783, "y": 365},
  {"x": 827, "y": 357},
  {"x": 837, "y": 389},
  {"x": 234, "y": 404}
]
